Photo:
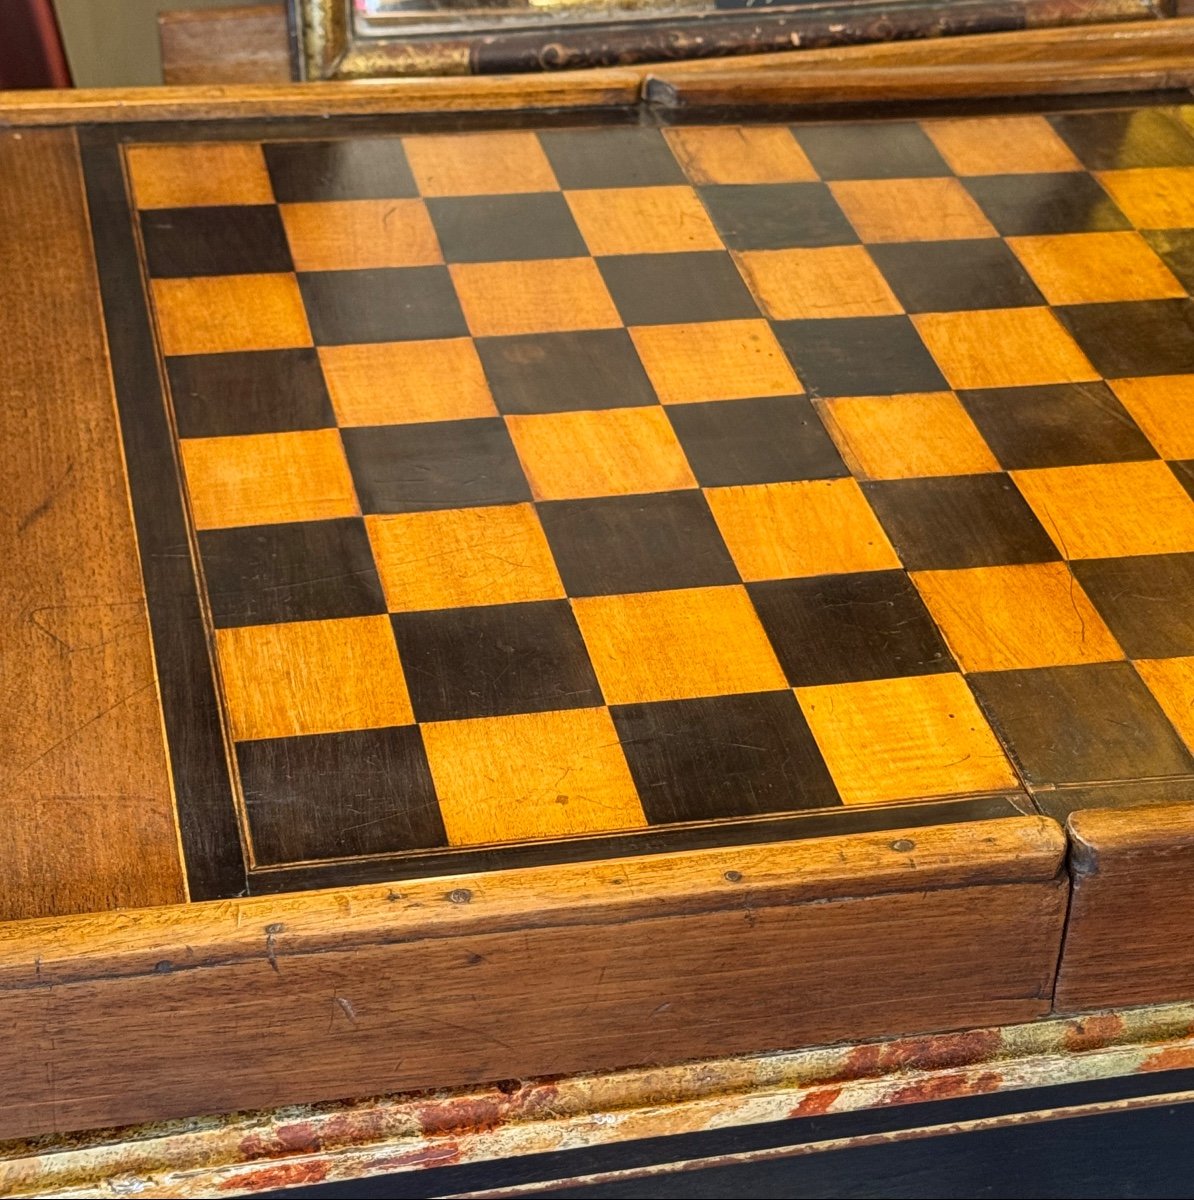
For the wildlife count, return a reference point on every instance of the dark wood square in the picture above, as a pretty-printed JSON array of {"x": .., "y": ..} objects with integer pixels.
[
  {"x": 955, "y": 275},
  {"x": 960, "y": 521},
  {"x": 219, "y": 240},
  {"x": 1119, "y": 140},
  {"x": 1147, "y": 601},
  {"x": 385, "y": 304},
  {"x": 495, "y": 661},
  {"x": 505, "y": 228},
  {"x": 1176, "y": 248},
  {"x": 612, "y": 545},
  {"x": 1083, "y": 724},
  {"x": 437, "y": 464},
  {"x": 253, "y": 391},
  {"x": 1067, "y": 202},
  {"x": 562, "y": 372},
  {"x": 610, "y": 158},
  {"x": 1148, "y": 337},
  {"x": 305, "y": 801},
  {"x": 724, "y": 756},
  {"x": 859, "y": 356},
  {"x": 887, "y": 150},
  {"x": 303, "y": 571},
  {"x": 772, "y": 439},
  {"x": 359, "y": 168},
  {"x": 673, "y": 289},
  {"x": 772, "y": 216},
  {"x": 847, "y": 628},
  {"x": 1060, "y": 425}
]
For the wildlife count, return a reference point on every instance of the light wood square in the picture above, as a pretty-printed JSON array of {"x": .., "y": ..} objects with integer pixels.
[
  {"x": 908, "y": 436},
  {"x": 1014, "y": 617},
  {"x": 911, "y": 210},
  {"x": 642, "y": 220},
  {"x": 215, "y": 314},
  {"x": 479, "y": 164},
  {"x": 1171, "y": 681},
  {"x": 1153, "y": 197},
  {"x": 612, "y": 452},
  {"x": 267, "y": 478},
  {"x": 1163, "y": 406},
  {"x": 826, "y": 281},
  {"x": 789, "y": 530},
  {"x": 676, "y": 645},
  {"x": 537, "y": 296},
  {"x": 1018, "y": 145},
  {"x": 1003, "y": 347},
  {"x": 201, "y": 173},
  {"x": 344, "y": 235},
  {"x": 740, "y": 154},
  {"x": 399, "y": 383},
  {"x": 715, "y": 360},
  {"x": 1091, "y": 268},
  {"x": 905, "y": 739},
  {"x": 1111, "y": 510},
  {"x": 312, "y": 677},
  {"x": 534, "y": 775},
  {"x": 462, "y": 557}
]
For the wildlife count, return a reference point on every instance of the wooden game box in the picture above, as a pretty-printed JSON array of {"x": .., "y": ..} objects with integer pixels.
[{"x": 515, "y": 579}]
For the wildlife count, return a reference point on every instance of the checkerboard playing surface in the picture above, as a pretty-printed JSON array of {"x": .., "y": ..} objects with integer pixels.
[{"x": 559, "y": 483}]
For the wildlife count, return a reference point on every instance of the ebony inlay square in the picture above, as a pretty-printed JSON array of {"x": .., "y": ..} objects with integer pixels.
[
  {"x": 1024, "y": 205},
  {"x": 959, "y": 521},
  {"x": 385, "y": 304},
  {"x": 618, "y": 544},
  {"x": 254, "y": 391},
  {"x": 1148, "y": 337},
  {"x": 723, "y": 756},
  {"x": 768, "y": 440},
  {"x": 953, "y": 275},
  {"x": 886, "y": 150},
  {"x": 1082, "y": 724},
  {"x": 1176, "y": 248},
  {"x": 220, "y": 240},
  {"x": 339, "y": 795},
  {"x": 1144, "y": 137},
  {"x": 437, "y": 464},
  {"x": 560, "y": 372},
  {"x": 1056, "y": 426},
  {"x": 495, "y": 660},
  {"x": 505, "y": 228},
  {"x": 671, "y": 289},
  {"x": 303, "y": 571},
  {"x": 359, "y": 168},
  {"x": 1147, "y": 601},
  {"x": 846, "y": 628},
  {"x": 610, "y": 158},
  {"x": 859, "y": 356},
  {"x": 772, "y": 216}
]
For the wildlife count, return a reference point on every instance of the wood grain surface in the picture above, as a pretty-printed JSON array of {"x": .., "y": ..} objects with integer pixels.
[
  {"x": 225, "y": 45},
  {"x": 179, "y": 1011},
  {"x": 1133, "y": 880},
  {"x": 89, "y": 821}
]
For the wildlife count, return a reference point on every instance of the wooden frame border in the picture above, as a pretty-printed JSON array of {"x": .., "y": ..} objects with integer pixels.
[
  {"x": 177, "y": 1011},
  {"x": 1127, "y": 940}
]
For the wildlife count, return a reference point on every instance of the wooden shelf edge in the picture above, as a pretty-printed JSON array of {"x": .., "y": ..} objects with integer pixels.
[{"x": 1106, "y": 840}]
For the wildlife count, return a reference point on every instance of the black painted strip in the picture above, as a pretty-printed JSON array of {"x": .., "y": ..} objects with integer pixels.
[{"x": 206, "y": 808}]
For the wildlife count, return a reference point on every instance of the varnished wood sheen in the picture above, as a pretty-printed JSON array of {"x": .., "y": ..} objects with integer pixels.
[
  {"x": 89, "y": 820},
  {"x": 225, "y": 45},
  {"x": 249, "y": 1003},
  {"x": 1126, "y": 942}
]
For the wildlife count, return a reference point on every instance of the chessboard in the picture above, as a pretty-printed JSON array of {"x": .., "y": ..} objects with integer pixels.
[{"x": 532, "y": 495}]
